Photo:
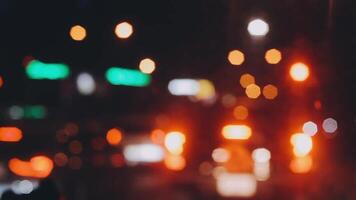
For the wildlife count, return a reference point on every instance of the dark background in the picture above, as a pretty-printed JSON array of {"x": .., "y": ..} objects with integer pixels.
[{"x": 187, "y": 39}]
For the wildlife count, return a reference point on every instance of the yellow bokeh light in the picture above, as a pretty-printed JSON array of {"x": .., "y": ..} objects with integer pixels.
[
  {"x": 299, "y": 72},
  {"x": 175, "y": 162},
  {"x": 301, "y": 165},
  {"x": 123, "y": 30},
  {"x": 273, "y": 56},
  {"x": 174, "y": 142},
  {"x": 78, "y": 33},
  {"x": 302, "y": 144},
  {"x": 206, "y": 90},
  {"x": 147, "y": 66},
  {"x": 253, "y": 91},
  {"x": 236, "y": 132},
  {"x": 240, "y": 112},
  {"x": 236, "y": 57},
  {"x": 246, "y": 80},
  {"x": 270, "y": 91}
]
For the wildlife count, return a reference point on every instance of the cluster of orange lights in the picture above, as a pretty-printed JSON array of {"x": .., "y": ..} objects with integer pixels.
[{"x": 37, "y": 167}]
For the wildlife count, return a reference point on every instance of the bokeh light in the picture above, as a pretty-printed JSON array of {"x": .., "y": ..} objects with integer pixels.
[
  {"x": 299, "y": 72},
  {"x": 253, "y": 91},
  {"x": 261, "y": 155},
  {"x": 1, "y": 81},
  {"x": 240, "y": 112},
  {"x": 300, "y": 165},
  {"x": 246, "y": 80},
  {"x": 270, "y": 91},
  {"x": 175, "y": 162},
  {"x": 236, "y": 185},
  {"x": 123, "y": 30},
  {"x": 114, "y": 136},
  {"x": 127, "y": 77},
  {"x": 147, "y": 66},
  {"x": 329, "y": 125},
  {"x": 220, "y": 155},
  {"x": 60, "y": 159},
  {"x": 273, "y": 56},
  {"x": 236, "y": 132},
  {"x": 143, "y": 153},
  {"x": 236, "y": 57},
  {"x": 206, "y": 90},
  {"x": 184, "y": 87},
  {"x": 75, "y": 147},
  {"x": 302, "y": 144},
  {"x": 157, "y": 136},
  {"x": 310, "y": 128},
  {"x": 258, "y": 27},
  {"x": 37, "y": 167},
  {"x": 16, "y": 112},
  {"x": 42, "y": 165},
  {"x": 78, "y": 33},
  {"x": 174, "y": 142},
  {"x": 10, "y": 134},
  {"x": 85, "y": 84}
]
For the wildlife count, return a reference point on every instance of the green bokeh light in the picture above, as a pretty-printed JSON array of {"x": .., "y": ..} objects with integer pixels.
[
  {"x": 52, "y": 71},
  {"x": 127, "y": 77}
]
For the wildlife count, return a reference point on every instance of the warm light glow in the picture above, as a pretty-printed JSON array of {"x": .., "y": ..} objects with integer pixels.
[
  {"x": 270, "y": 91},
  {"x": 175, "y": 162},
  {"x": 174, "y": 142},
  {"x": 37, "y": 167},
  {"x": 220, "y": 155},
  {"x": 236, "y": 132},
  {"x": 78, "y": 33},
  {"x": 143, "y": 153},
  {"x": 300, "y": 165},
  {"x": 10, "y": 134},
  {"x": 123, "y": 30},
  {"x": 310, "y": 128},
  {"x": 206, "y": 90},
  {"x": 240, "y": 112},
  {"x": 236, "y": 185},
  {"x": 302, "y": 144},
  {"x": 258, "y": 27},
  {"x": 299, "y": 72},
  {"x": 228, "y": 100},
  {"x": 114, "y": 136},
  {"x": 329, "y": 125},
  {"x": 236, "y": 57},
  {"x": 261, "y": 155},
  {"x": 273, "y": 56},
  {"x": 246, "y": 80},
  {"x": 184, "y": 87},
  {"x": 157, "y": 136},
  {"x": 147, "y": 66},
  {"x": 1, "y": 81},
  {"x": 253, "y": 91},
  {"x": 85, "y": 84},
  {"x": 262, "y": 171}
]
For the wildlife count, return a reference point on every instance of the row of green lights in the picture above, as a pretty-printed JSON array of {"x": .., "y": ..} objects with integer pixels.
[{"x": 115, "y": 75}]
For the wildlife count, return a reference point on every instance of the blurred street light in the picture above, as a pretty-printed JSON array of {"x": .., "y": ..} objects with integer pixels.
[
  {"x": 78, "y": 33},
  {"x": 258, "y": 27},
  {"x": 236, "y": 132},
  {"x": 299, "y": 72},
  {"x": 123, "y": 30}
]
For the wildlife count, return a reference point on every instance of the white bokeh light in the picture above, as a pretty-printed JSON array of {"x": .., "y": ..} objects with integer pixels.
[
  {"x": 258, "y": 27},
  {"x": 85, "y": 84},
  {"x": 310, "y": 128},
  {"x": 330, "y": 125}
]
